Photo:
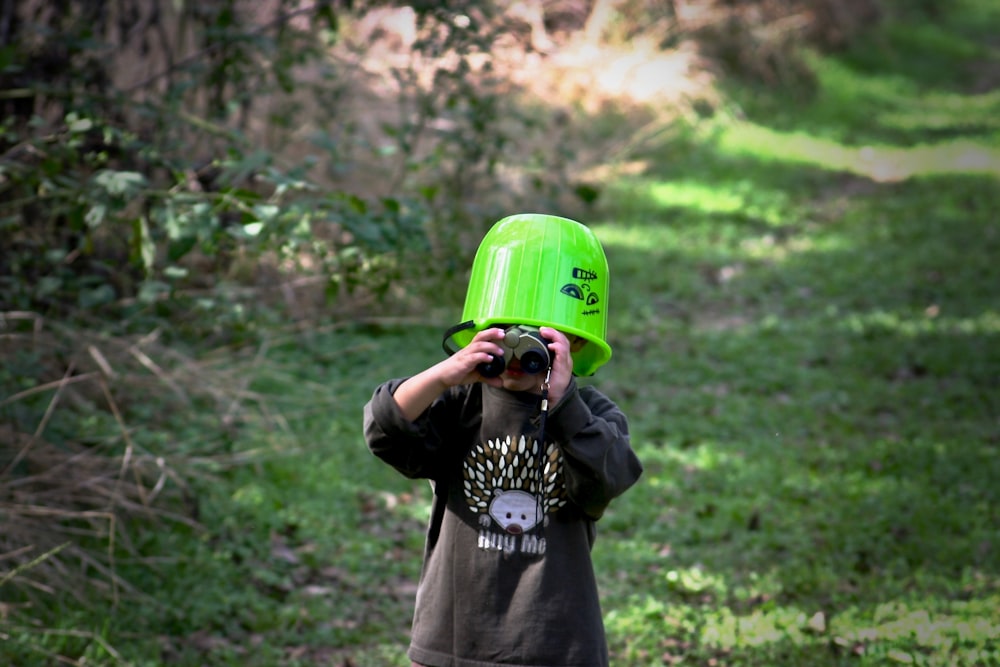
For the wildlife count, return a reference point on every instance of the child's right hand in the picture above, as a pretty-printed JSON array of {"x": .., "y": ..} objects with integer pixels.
[
  {"x": 462, "y": 367},
  {"x": 417, "y": 393}
]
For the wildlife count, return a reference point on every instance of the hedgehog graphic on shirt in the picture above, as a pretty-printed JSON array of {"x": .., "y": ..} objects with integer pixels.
[{"x": 514, "y": 485}]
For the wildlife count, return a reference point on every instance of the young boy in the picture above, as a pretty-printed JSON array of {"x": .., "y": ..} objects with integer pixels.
[{"x": 522, "y": 460}]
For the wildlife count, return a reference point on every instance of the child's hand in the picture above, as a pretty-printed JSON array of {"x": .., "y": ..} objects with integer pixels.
[
  {"x": 461, "y": 367},
  {"x": 562, "y": 363},
  {"x": 415, "y": 394}
]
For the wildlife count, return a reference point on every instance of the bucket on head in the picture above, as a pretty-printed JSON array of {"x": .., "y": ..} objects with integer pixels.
[{"x": 540, "y": 270}]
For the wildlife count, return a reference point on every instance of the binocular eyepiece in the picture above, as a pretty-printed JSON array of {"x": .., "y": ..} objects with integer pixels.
[{"x": 524, "y": 343}]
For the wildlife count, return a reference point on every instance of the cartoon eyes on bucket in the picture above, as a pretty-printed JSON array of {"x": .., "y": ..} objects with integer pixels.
[{"x": 574, "y": 291}]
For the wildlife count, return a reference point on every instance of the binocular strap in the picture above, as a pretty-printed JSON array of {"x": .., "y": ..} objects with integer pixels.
[{"x": 540, "y": 438}]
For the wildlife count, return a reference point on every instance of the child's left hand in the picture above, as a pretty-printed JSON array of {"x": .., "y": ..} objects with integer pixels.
[{"x": 562, "y": 364}]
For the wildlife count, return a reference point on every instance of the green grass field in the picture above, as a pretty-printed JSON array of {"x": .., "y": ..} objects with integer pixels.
[{"x": 805, "y": 318}]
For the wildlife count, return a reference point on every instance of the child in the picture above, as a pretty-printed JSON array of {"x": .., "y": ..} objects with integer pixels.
[{"x": 522, "y": 463}]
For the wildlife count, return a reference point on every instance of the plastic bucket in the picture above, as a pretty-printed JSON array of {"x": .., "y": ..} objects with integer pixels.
[{"x": 541, "y": 270}]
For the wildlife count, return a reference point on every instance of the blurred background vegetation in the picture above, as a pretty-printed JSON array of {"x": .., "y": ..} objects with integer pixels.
[{"x": 221, "y": 223}]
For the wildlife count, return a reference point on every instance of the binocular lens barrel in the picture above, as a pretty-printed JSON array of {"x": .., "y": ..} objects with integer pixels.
[
  {"x": 532, "y": 362},
  {"x": 492, "y": 369},
  {"x": 526, "y": 345}
]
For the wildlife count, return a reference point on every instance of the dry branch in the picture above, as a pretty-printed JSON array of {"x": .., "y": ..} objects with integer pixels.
[{"x": 69, "y": 506}]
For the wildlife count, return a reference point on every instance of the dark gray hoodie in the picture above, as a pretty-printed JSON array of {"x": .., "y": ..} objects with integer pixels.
[{"x": 507, "y": 577}]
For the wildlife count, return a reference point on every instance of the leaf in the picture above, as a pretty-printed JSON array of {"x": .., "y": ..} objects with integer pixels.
[
  {"x": 180, "y": 247},
  {"x": 253, "y": 229},
  {"x": 265, "y": 213},
  {"x": 324, "y": 11},
  {"x": 357, "y": 203},
  {"x": 96, "y": 215},
  {"x": 151, "y": 290},
  {"x": 120, "y": 182},
  {"x": 97, "y": 296},
  {"x": 78, "y": 125},
  {"x": 8, "y": 56},
  {"x": 816, "y": 623},
  {"x": 143, "y": 247},
  {"x": 48, "y": 285},
  {"x": 898, "y": 655}
]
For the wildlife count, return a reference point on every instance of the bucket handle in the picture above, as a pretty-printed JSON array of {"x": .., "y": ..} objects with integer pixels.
[{"x": 448, "y": 343}]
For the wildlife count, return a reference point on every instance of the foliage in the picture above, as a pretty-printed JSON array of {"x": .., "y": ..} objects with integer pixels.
[
  {"x": 103, "y": 205},
  {"x": 147, "y": 181},
  {"x": 121, "y": 189}
]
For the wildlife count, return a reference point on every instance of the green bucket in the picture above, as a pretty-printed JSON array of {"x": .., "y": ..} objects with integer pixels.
[{"x": 540, "y": 270}]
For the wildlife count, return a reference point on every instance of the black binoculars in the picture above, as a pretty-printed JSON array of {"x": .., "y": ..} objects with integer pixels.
[{"x": 527, "y": 345}]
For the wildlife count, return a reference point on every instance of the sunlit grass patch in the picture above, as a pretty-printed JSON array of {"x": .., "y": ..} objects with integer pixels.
[
  {"x": 939, "y": 112},
  {"x": 696, "y": 232},
  {"x": 770, "y": 145},
  {"x": 907, "y": 85},
  {"x": 649, "y": 630},
  {"x": 364, "y": 655},
  {"x": 719, "y": 198},
  {"x": 923, "y": 631},
  {"x": 931, "y": 321},
  {"x": 881, "y": 163}
]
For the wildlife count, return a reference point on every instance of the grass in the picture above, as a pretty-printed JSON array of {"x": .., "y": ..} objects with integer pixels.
[
  {"x": 812, "y": 375},
  {"x": 813, "y": 384}
]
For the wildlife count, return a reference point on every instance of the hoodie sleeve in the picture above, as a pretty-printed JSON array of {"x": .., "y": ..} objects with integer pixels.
[
  {"x": 597, "y": 455},
  {"x": 417, "y": 448}
]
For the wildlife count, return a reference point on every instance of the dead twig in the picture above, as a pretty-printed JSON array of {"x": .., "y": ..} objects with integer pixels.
[
  {"x": 30, "y": 564},
  {"x": 46, "y": 386},
  {"x": 155, "y": 369},
  {"x": 42, "y": 424}
]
